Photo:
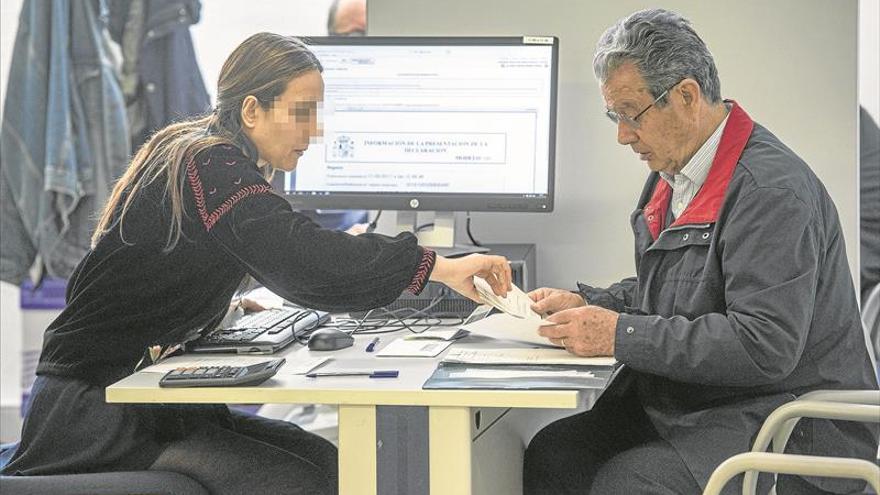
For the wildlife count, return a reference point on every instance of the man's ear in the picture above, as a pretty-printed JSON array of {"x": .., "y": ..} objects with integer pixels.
[
  {"x": 689, "y": 90},
  {"x": 249, "y": 111}
]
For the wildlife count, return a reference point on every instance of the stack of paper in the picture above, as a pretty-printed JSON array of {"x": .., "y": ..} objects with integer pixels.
[
  {"x": 524, "y": 356},
  {"x": 506, "y": 374}
]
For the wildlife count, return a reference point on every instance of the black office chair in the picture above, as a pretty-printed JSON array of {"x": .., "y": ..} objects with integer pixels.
[{"x": 114, "y": 483}]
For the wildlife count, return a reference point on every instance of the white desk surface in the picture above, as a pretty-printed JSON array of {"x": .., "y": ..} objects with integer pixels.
[{"x": 406, "y": 390}]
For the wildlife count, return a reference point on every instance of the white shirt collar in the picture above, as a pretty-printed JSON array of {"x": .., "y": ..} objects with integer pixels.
[{"x": 697, "y": 168}]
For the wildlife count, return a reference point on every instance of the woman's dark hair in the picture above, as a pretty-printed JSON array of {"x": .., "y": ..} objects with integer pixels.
[{"x": 261, "y": 66}]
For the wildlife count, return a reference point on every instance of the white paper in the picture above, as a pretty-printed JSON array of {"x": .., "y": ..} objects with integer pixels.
[
  {"x": 302, "y": 367},
  {"x": 414, "y": 348},
  {"x": 502, "y": 374},
  {"x": 288, "y": 368},
  {"x": 506, "y": 327},
  {"x": 434, "y": 335},
  {"x": 265, "y": 298},
  {"x": 524, "y": 356},
  {"x": 516, "y": 303}
]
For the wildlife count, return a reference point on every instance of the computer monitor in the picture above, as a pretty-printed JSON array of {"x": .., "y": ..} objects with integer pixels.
[{"x": 432, "y": 123}]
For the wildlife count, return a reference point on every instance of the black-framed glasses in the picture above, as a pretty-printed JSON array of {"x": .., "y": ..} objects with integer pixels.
[{"x": 633, "y": 122}]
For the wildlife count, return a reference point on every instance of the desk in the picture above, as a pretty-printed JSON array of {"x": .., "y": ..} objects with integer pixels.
[{"x": 449, "y": 411}]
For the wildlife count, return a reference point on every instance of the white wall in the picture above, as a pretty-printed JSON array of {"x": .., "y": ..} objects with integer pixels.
[
  {"x": 790, "y": 63},
  {"x": 226, "y": 23}
]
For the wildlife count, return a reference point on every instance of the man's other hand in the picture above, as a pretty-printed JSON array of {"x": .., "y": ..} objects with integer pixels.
[
  {"x": 584, "y": 331},
  {"x": 549, "y": 301},
  {"x": 358, "y": 229}
]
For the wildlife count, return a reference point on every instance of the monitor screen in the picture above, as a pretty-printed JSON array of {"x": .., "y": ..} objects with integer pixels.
[{"x": 431, "y": 123}]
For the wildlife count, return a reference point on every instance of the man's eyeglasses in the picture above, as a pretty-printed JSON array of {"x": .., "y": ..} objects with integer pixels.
[{"x": 633, "y": 122}]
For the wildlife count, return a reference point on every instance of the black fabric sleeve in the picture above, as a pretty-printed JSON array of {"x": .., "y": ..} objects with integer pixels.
[
  {"x": 618, "y": 297},
  {"x": 289, "y": 253},
  {"x": 315, "y": 267}
]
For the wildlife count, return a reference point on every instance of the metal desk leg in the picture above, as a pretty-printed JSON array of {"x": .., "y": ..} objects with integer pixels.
[
  {"x": 357, "y": 450},
  {"x": 449, "y": 445}
]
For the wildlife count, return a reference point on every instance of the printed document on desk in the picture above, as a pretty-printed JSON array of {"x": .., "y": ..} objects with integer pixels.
[
  {"x": 506, "y": 327},
  {"x": 524, "y": 356},
  {"x": 414, "y": 348}
]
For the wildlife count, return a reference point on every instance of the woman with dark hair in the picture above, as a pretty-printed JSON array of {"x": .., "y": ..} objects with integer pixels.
[{"x": 190, "y": 218}]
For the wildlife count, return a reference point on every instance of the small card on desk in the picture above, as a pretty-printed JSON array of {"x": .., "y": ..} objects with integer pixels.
[{"x": 414, "y": 348}]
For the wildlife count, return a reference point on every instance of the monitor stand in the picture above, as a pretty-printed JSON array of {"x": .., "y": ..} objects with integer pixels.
[{"x": 440, "y": 238}]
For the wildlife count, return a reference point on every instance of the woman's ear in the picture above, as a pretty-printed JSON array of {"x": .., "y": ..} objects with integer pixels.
[{"x": 249, "y": 111}]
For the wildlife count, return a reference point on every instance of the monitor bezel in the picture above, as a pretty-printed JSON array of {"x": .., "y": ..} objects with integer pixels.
[{"x": 441, "y": 201}]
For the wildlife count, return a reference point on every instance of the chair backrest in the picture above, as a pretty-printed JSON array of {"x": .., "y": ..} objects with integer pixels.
[{"x": 871, "y": 324}]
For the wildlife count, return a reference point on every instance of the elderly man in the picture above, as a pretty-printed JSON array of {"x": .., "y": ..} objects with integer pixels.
[{"x": 742, "y": 300}]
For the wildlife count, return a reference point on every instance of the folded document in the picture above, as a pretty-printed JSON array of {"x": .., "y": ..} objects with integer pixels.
[{"x": 516, "y": 303}]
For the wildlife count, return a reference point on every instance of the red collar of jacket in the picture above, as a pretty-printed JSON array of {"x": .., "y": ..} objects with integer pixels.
[{"x": 705, "y": 205}]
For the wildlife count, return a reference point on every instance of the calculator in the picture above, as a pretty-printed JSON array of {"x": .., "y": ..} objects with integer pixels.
[{"x": 221, "y": 376}]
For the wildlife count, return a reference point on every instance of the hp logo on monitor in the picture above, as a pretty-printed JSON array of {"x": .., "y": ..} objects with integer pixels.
[{"x": 414, "y": 203}]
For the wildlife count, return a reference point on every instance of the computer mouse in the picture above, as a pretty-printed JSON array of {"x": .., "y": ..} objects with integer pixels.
[{"x": 329, "y": 339}]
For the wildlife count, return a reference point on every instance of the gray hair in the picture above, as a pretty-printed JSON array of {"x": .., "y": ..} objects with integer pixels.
[{"x": 664, "y": 47}]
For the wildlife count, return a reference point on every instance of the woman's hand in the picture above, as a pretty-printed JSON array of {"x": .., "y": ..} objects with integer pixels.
[{"x": 458, "y": 274}]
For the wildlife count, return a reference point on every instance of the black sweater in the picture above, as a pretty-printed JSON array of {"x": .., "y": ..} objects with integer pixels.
[{"x": 127, "y": 294}]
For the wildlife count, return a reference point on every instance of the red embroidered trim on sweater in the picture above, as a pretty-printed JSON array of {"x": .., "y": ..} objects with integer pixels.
[
  {"x": 422, "y": 272},
  {"x": 208, "y": 220}
]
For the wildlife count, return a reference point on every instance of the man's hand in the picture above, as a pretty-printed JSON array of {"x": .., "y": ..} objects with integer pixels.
[
  {"x": 549, "y": 301},
  {"x": 584, "y": 331},
  {"x": 458, "y": 274},
  {"x": 358, "y": 229}
]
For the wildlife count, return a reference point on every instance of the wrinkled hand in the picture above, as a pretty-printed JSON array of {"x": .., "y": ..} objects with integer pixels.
[
  {"x": 584, "y": 331},
  {"x": 549, "y": 301},
  {"x": 458, "y": 274}
]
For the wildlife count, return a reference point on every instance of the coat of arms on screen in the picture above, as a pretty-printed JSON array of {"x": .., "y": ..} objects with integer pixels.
[{"x": 343, "y": 147}]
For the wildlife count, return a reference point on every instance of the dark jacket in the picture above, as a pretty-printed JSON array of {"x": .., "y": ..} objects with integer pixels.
[
  {"x": 869, "y": 202},
  {"x": 170, "y": 85},
  {"x": 743, "y": 303}
]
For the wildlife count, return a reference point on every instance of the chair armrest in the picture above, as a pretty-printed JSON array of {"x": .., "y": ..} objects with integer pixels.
[
  {"x": 779, "y": 425},
  {"x": 780, "y": 437},
  {"x": 803, "y": 465},
  {"x": 867, "y": 397}
]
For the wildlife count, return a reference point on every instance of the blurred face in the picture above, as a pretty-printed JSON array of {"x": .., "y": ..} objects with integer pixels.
[
  {"x": 351, "y": 18},
  {"x": 666, "y": 137},
  {"x": 283, "y": 132}
]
